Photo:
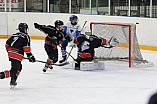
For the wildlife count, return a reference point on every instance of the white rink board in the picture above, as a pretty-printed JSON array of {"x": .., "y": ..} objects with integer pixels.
[
  {"x": 3, "y": 24},
  {"x": 145, "y": 28}
]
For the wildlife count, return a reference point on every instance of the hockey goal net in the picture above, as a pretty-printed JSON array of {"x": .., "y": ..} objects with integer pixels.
[{"x": 128, "y": 48}]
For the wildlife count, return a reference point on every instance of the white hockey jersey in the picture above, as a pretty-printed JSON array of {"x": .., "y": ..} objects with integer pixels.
[{"x": 72, "y": 30}]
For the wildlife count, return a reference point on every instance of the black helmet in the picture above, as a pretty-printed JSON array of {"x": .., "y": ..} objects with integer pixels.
[
  {"x": 58, "y": 23},
  {"x": 22, "y": 27}
]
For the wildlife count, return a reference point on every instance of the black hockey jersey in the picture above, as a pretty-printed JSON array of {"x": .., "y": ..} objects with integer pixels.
[
  {"x": 55, "y": 35},
  {"x": 87, "y": 45},
  {"x": 17, "y": 44}
]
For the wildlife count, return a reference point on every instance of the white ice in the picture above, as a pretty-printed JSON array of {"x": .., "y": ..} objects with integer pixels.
[{"x": 116, "y": 84}]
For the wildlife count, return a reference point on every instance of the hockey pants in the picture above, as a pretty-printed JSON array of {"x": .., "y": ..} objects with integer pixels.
[{"x": 52, "y": 53}]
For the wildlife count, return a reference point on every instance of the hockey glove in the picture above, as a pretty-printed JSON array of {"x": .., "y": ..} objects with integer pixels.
[
  {"x": 37, "y": 26},
  {"x": 113, "y": 42},
  {"x": 68, "y": 38},
  {"x": 31, "y": 58}
]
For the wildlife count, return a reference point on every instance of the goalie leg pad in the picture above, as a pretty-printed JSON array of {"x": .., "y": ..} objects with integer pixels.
[{"x": 91, "y": 65}]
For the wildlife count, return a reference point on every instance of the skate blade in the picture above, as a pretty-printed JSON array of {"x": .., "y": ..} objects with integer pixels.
[
  {"x": 62, "y": 64},
  {"x": 12, "y": 86}
]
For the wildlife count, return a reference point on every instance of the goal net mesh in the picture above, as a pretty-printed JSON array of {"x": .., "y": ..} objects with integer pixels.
[{"x": 128, "y": 43}]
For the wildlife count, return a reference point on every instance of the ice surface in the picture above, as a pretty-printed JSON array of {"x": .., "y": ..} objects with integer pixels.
[{"x": 116, "y": 84}]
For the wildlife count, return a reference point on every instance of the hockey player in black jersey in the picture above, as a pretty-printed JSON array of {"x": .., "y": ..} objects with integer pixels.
[
  {"x": 53, "y": 38},
  {"x": 16, "y": 45},
  {"x": 88, "y": 43}
]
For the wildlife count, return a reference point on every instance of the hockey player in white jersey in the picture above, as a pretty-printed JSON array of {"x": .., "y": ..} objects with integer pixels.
[{"x": 72, "y": 30}]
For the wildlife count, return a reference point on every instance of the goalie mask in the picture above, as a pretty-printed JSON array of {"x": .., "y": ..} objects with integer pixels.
[{"x": 87, "y": 31}]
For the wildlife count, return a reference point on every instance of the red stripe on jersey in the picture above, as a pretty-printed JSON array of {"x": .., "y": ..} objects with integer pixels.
[
  {"x": 43, "y": 25},
  {"x": 76, "y": 41},
  {"x": 6, "y": 46},
  {"x": 27, "y": 49},
  {"x": 7, "y": 74},
  {"x": 85, "y": 55},
  {"x": 18, "y": 73},
  {"x": 60, "y": 42},
  {"x": 14, "y": 49},
  {"x": 48, "y": 42},
  {"x": 49, "y": 61},
  {"x": 15, "y": 55},
  {"x": 104, "y": 41},
  {"x": 93, "y": 55}
]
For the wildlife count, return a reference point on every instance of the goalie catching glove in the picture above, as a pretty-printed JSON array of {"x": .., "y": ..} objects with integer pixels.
[{"x": 112, "y": 42}]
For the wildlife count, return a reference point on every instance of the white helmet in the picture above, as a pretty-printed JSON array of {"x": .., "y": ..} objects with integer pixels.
[
  {"x": 87, "y": 32},
  {"x": 87, "y": 29}
]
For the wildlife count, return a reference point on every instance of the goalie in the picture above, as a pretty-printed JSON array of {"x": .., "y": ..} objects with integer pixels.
[{"x": 88, "y": 43}]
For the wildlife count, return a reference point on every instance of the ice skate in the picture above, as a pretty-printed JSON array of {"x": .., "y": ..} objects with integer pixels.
[
  {"x": 63, "y": 60},
  {"x": 45, "y": 68},
  {"x": 13, "y": 83},
  {"x": 50, "y": 66}
]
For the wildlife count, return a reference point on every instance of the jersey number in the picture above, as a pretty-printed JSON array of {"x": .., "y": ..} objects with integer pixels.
[
  {"x": 85, "y": 45},
  {"x": 14, "y": 40}
]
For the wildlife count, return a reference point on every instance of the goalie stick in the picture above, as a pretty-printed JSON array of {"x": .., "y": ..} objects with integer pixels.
[{"x": 46, "y": 62}]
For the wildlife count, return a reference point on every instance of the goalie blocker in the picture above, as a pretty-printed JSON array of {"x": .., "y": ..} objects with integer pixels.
[{"x": 87, "y": 43}]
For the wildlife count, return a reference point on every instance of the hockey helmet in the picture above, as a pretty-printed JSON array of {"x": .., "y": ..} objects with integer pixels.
[
  {"x": 22, "y": 27},
  {"x": 58, "y": 23},
  {"x": 87, "y": 30},
  {"x": 72, "y": 17}
]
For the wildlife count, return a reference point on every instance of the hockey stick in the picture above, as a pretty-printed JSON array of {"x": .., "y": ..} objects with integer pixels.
[
  {"x": 69, "y": 53},
  {"x": 83, "y": 25},
  {"x": 73, "y": 46},
  {"x": 46, "y": 62}
]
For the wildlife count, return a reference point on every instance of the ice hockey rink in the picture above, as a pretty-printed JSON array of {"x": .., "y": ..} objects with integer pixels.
[{"x": 116, "y": 84}]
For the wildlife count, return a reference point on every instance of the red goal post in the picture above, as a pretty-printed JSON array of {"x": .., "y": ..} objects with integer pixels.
[{"x": 128, "y": 49}]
